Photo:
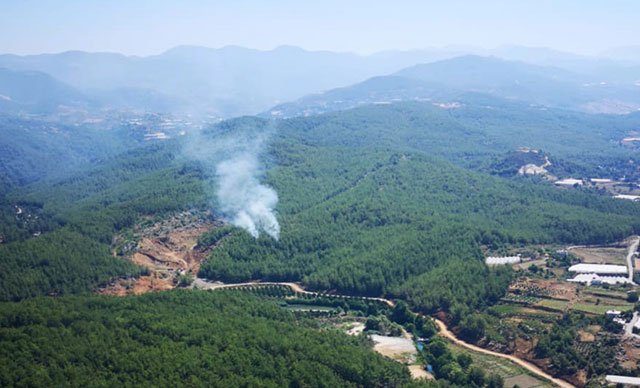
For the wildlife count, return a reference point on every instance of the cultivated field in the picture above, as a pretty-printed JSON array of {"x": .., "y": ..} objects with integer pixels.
[{"x": 606, "y": 255}]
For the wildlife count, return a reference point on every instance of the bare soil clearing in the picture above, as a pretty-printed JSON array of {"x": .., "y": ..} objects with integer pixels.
[
  {"x": 167, "y": 248},
  {"x": 606, "y": 255},
  {"x": 418, "y": 372},
  {"x": 401, "y": 349},
  {"x": 545, "y": 288},
  {"x": 354, "y": 328}
]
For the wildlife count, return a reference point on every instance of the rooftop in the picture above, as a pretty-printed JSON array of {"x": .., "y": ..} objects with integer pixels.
[
  {"x": 615, "y": 379},
  {"x": 603, "y": 269}
]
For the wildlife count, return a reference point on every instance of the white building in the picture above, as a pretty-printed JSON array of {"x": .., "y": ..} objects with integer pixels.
[
  {"x": 595, "y": 279},
  {"x": 491, "y": 260},
  {"x": 599, "y": 269},
  {"x": 627, "y": 197},
  {"x": 569, "y": 182},
  {"x": 624, "y": 380}
]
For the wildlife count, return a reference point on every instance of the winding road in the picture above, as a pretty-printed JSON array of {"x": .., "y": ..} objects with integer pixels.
[{"x": 443, "y": 329}]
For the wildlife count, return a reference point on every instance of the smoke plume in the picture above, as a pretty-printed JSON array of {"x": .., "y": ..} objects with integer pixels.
[
  {"x": 249, "y": 203},
  {"x": 231, "y": 159}
]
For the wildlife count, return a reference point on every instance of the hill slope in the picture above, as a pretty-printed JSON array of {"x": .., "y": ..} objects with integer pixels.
[
  {"x": 36, "y": 92},
  {"x": 179, "y": 339},
  {"x": 451, "y": 79}
]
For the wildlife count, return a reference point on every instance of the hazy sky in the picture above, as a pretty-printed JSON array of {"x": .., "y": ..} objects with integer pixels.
[{"x": 152, "y": 26}]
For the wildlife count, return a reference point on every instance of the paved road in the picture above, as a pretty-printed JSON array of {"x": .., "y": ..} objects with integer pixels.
[
  {"x": 628, "y": 327},
  {"x": 632, "y": 250},
  {"x": 444, "y": 331}
]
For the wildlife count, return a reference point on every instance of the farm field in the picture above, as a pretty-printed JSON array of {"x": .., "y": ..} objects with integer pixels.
[
  {"x": 601, "y": 292},
  {"x": 586, "y": 305},
  {"x": 601, "y": 308},
  {"x": 606, "y": 255},
  {"x": 528, "y": 312},
  {"x": 559, "y": 305}
]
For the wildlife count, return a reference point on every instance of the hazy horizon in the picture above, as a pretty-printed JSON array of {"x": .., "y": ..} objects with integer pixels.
[
  {"x": 463, "y": 50},
  {"x": 151, "y": 27}
]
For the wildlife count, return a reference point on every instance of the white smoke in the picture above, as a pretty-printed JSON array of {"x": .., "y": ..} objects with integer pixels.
[
  {"x": 250, "y": 204},
  {"x": 231, "y": 158}
]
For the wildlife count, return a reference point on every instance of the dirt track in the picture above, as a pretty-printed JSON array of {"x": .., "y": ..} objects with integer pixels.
[
  {"x": 295, "y": 287},
  {"x": 445, "y": 332}
]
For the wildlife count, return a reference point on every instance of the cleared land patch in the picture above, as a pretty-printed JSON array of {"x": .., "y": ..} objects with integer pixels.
[
  {"x": 401, "y": 349},
  {"x": 605, "y": 255}
]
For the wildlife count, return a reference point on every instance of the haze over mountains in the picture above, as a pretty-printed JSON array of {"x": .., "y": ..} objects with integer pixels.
[
  {"x": 447, "y": 81},
  {"x": 233, "y": 81}
]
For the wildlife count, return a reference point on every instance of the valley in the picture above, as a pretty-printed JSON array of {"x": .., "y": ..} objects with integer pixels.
[
  {"x": 288, "y": 217},
  {"x": 368, "y": 215}
]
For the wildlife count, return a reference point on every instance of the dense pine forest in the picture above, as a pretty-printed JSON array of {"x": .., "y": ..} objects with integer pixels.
[
  {"x": 179, "y": 338},
  {"x": 396, "y": 201}
]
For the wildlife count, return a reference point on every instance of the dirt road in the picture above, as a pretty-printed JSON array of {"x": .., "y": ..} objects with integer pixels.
[
  {"x": 295, "y": 287},
  {"x": 445, "y": 332}
]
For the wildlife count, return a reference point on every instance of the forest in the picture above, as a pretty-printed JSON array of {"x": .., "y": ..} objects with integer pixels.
[
  {"x": 396, "y": 201},
  {"x": 372, "y": 201},
  {"x": 364, "y": 212},
  {"x": 179, "y": 338}
]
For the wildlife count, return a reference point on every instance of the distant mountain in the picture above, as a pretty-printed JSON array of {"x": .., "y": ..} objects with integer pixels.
[
  {"x": 34, "y": 91},
  {"x": 228, "y": 81},
  {"x": 630, "y": 54},
  {"x": 448, "y": 80},
  {"x": 32, "y": 149},
  {"x": 614, "y": 66},
  {"x": 233, "y": 80}
]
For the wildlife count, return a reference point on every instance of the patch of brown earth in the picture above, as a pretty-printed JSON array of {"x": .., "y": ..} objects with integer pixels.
[
  {"x": 545, "y": 288},
  {"x": 524, "y": 347},
  {"x": 601, "y": 255},
  {"x": 400, "y": 349},
  {"x": 141, "y": 285},
  {"x": 584, "y": 336},
  {"x": 630, "y": 353},
  {"x": 167, "y": 248},
  {"x": 593, "y": 329},
  {"x": 418, "y": 372},
  {"x": 579, "y": 379}
]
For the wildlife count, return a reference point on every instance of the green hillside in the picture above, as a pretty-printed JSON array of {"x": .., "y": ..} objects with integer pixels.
[
  {"x": 365, "y": 207},
  {"x": 392, "y": 200},
  {"x": 182, "y": 338}
]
